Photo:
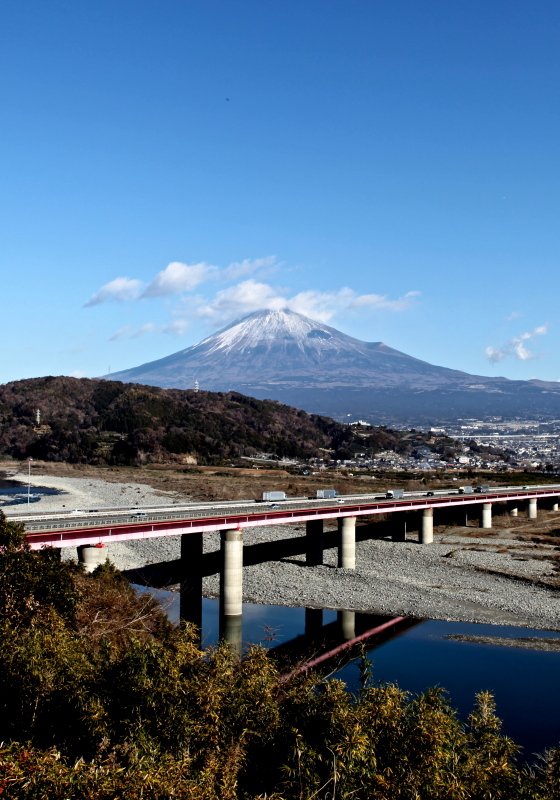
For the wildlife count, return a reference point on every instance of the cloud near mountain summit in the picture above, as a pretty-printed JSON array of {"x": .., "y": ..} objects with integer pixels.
[
  {"x": 180, "y": 280},
  {"x": 251, "y": 296}
]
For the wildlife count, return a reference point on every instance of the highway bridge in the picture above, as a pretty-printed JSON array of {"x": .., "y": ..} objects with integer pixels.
[
  {"x": 72, "y": 528},
  {"x": 91, "y": 530}
]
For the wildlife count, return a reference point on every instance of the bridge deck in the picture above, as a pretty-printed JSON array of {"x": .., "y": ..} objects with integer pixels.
[{"x": 71, "y": 529}]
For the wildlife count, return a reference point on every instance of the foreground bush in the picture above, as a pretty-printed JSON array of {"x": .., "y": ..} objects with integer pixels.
[{"x": 101, "y": 698}]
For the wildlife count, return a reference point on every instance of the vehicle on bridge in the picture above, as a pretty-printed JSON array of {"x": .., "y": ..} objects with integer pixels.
[{"x": 270, "y": 496}]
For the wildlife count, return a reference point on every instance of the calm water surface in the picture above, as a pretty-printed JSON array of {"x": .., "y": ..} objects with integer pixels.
[{"x": 525, "y": 683}]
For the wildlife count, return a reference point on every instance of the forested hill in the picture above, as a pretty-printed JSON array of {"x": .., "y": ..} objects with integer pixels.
[{"x": 109, "y": 422}]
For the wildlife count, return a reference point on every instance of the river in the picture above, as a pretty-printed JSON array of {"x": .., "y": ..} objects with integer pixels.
[
  {"x": 14, "y": 492},
  {"x": 419, "y": 654}
]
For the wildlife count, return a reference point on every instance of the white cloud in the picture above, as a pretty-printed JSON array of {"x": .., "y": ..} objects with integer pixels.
[
  {"x": 121, "y": 333},
  {"x": 178, "y": 277},
  {"x": 121, "y": 290},
  {"x": 247, "y": 296},
  {"x": 493, "y": 355},
  {"x": 516, "y": 347},
  {"x": 239, "y": 269},
  {"x": 244, "y": 297},
  {"x": 514, "y": 315},
  {"x": 382, "y": 301},
  {"x": 78, "y": 373},
  {"x": 321, "y": 306},
  {"x": 177, "y": 327},
  {"x": 129, "y": 332},
  {"x": 251, "y": 295},
  {"x": 540, "y": 331},
  {"x": 148, "y": 327}
]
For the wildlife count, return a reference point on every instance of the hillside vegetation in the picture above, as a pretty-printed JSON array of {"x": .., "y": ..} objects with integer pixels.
[{"x": 109, "y": 422}]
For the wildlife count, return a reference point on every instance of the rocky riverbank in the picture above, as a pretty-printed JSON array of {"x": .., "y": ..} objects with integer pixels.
[
  {"x": 505, "y": 576},
  {"x": 448, "y": 580},
  {"x": 86, "y": 493}
]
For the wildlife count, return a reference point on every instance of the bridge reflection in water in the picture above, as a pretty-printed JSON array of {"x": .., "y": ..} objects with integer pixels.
[
  {"x": 323, "y": 639},
  {"x": 414, "y": 654},
  {"x": 341, "y": 640}
]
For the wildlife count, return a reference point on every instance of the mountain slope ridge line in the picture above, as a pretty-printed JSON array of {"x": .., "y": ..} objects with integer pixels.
[{"x": 289, "y": 357}]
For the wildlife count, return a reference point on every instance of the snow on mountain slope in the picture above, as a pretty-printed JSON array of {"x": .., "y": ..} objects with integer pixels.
[
  {"x": 304, "y": 363},
  {"x": 286, "y": 349},
  {"x": 274, "y": 329}
]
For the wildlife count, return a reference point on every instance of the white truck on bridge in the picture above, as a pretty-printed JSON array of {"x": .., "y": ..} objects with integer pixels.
[{"x": 273, "y": 496}]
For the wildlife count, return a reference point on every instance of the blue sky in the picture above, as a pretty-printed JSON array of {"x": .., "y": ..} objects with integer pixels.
[{"x": 390, "y": 168}]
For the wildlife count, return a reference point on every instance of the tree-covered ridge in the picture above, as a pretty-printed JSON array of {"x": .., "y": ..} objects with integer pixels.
[
  {"x": 100, "y": 698},
  {"x": 109, "y": 422}
]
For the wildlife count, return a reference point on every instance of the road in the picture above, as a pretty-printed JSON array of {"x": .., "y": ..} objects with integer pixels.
[{"x": 241, "y": 512}]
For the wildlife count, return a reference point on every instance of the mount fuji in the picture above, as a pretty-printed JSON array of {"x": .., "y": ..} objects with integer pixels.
[{"x": 286, "y": 356}]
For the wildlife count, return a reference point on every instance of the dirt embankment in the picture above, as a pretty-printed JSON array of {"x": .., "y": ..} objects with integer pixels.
[{"x": 210, "y": 483}]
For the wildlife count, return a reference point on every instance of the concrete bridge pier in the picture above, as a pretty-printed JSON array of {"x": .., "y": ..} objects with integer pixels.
[
  {"x": 347, "y": 542},
  {"x": 92, "y": 555},
  {"x": 532, "y": 508},
  {"x": 313, "y": 620},
  {"x": 513, "y": 509},
  {"x": 399, "y": 527},
  {"x": 347, "y": 622},
  {"x": 190, "y": 602},
  {"x": 554, "y": 505},
  {"x": 486, "y": 515},
  {"x": 314, "y": 542},
  {"x": 426, "y": 533},
  {"x": 231, "y": 630},
  {"x": 231, "y": 576}
]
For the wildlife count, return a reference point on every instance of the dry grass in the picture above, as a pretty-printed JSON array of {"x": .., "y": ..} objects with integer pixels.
[{"x": 214, "y": 483}]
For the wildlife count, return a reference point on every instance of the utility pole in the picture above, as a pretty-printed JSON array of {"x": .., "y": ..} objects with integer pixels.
[{"x": 29, "y": 482}]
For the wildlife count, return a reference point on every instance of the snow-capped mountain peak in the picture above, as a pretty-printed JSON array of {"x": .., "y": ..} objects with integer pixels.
[
  {"x": 283, "y": 348},
  {"x": 265, "y": 326},
  {"x": 288, "y": 356}
]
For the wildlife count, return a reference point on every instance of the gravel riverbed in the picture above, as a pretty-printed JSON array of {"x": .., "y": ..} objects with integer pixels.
[
  {"x": 460, "y": 577},
  {"x": 86, "y": 493}
]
